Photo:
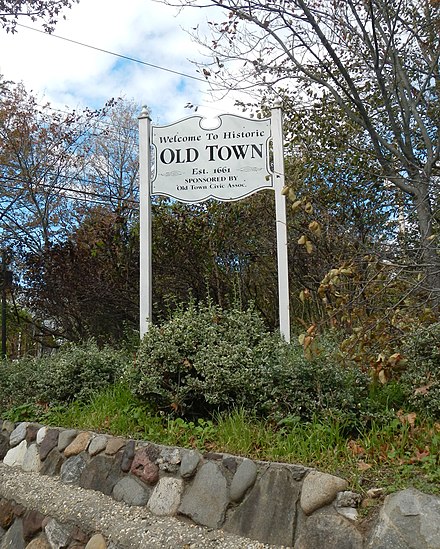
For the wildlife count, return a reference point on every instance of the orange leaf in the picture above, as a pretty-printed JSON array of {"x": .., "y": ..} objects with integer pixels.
[
  {"x": 362, "y": 466},
  {"x": 419, "y": 455},
  {"x": 307, "y": 341},
  {"x": 423, "y": 390},
  {"x": 356, "y": 449},
  {"x": 407, "y": 418}
]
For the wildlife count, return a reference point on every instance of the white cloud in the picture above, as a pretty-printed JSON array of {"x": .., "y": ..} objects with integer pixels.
[{"x": 72, "y": 75}]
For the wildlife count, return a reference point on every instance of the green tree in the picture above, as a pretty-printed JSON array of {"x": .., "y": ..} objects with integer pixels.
[
  {"x": 376, "y": 60},
  {"x": 224, "y": 250},
  {"x": 87, "y": 285}
]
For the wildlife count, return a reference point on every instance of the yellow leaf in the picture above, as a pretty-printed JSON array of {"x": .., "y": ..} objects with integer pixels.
[
  {"x": 301, "y": 339},
  {"x": 382, "y": 377},
  {"x": 315, "y": 227},
  {"x": 309, "y": 247},
  {"x": 296, "y": 205},
  {"x": 292, "y": 195},
  {"x": 285, "y": 190},
  {"x": 302, "y": 240},
  {"x": 308, "y": 208}
]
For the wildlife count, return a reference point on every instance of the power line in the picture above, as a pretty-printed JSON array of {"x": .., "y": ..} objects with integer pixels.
[
  {"x": 121, "y": 56},
  {"x": 82, "y": 192},
  {"x": 56, "y": 174}
]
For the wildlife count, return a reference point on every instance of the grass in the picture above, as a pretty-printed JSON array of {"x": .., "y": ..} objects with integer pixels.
[{"x": 394, "y": 455}]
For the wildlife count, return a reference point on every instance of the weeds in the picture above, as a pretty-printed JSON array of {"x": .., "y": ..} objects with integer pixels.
[{"x": 391, "y": 455}]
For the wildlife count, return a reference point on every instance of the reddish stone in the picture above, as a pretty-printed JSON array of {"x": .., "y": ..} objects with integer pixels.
[
  {"x": 78, "y": 445},
  {"x": 48, "y": 443},
  {"x": 6, "y": 514},
  {"x": 32, "y": 523},
  {"x": 144, "y": 468},
  {"x": 79, "y": 536},
  {"x": 31, "y": 433}
]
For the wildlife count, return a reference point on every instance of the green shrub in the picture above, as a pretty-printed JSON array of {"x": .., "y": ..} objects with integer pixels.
[
  {"x": 76, "y": 371},
  {"x": 19, "y": 382},
  {"x": 421, "y": 378},
  {"x": 320, "y": 388},
  {"x": 207, "y": 360}
]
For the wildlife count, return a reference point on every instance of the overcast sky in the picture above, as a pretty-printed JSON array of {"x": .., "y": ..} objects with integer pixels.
[{"x": 71, "y": 75}]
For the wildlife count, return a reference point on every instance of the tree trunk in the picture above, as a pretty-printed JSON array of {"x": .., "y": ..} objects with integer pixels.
[{"x": 428, "y": 246}]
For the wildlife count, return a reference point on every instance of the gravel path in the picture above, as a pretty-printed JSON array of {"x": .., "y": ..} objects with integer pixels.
[{"x": 127, "y": 527}]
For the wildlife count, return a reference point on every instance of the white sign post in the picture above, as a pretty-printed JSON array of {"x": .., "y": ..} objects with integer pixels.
[
  {"x": 281, "y": 222},
  {"x": 193, "y": 163},
  {"x": 145, "y": 240}
]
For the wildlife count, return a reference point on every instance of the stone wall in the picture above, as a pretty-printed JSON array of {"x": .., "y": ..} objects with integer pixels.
[
  {"x": 275, "y": 503},
  {"x": 26, "y": 528}
]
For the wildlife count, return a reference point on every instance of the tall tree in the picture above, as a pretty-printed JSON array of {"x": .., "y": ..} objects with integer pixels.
[
  {"x": 87, "y": 285},
  {"x": 42, "y": 153},
  {"x": 112, "y": 168},
  {"x": 378, "y": 61}
]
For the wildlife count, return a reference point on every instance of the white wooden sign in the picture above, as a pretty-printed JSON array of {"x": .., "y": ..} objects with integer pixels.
[
  {"x": 229, "y": 162},
  {"x": 191, "y": 163}
]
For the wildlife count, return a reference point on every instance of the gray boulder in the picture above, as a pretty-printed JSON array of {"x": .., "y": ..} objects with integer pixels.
[
  {"x": 328, "y": 529},
  {"x": 269, "y": 509},
  {"x": 206, "y": 499},
  {"x": 408, "y": 520}
]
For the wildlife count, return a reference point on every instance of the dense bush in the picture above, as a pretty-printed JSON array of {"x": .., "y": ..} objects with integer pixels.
[
  {"x": 421, "y": 378},
  {"x": 74, "y": 372},
  {"x": 322, "y": 387},
  {"x": 206, "y": 359}
]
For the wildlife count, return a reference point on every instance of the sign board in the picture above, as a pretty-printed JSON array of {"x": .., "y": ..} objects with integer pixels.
[
  {"x": 229, "y": 162},
  {"x": 192, "y": 163}
]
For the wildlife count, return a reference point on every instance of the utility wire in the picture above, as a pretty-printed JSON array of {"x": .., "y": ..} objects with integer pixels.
[
  {"x": 128, "y": 58},
  {"x": 78, "y": 191}
]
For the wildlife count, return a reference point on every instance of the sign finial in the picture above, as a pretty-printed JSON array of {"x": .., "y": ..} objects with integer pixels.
[{"x": 145, "y": 112}]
